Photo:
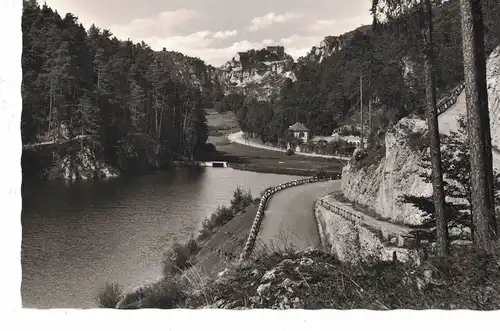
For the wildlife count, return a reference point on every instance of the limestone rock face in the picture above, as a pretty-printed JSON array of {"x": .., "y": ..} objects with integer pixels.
[
  {"x": 381, "y": 184},
  {"x": 328, "y": 46},
  {"x": 260, "y": 79},
  {"x": 493, "y": 82}
]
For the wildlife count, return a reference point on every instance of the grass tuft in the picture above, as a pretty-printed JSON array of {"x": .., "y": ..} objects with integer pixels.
[{"x": 109, "y": 295}]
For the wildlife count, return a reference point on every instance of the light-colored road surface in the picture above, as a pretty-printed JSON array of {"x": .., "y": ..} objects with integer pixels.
[
  {"x": 289, "y": 218},
  {"x": 239, "y": 139},
  {"x": 448, "y": 121}
]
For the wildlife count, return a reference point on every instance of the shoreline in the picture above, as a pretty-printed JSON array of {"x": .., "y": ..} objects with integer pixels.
[
  {"x": 277, "y": 170},
  {"x": 217, "y": 252}
]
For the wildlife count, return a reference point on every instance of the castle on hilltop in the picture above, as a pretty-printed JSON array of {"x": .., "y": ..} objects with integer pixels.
[
  {"x": 244, "y": 57},
  {"x": 279, "y": 50}
]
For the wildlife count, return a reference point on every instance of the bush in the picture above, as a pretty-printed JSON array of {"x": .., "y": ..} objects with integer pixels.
[
  {"x": 181, "y": 257},
  {"x": 241, "y": 200},
  {"x": 221, "y": 216},
  {"x": 168, "y": 293},
  {"x": 290, "y": 152},
  {"x": 109, "y": 295},
  {"x": 321, "y": 173}
]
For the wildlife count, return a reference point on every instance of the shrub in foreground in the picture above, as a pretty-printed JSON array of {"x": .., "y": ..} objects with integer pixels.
[
  {"x": 109, "y": 295},
  {"x": 167, "y": 293},
  {"x": 180, "y": 257}
]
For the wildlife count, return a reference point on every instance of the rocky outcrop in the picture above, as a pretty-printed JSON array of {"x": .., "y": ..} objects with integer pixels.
[
  {"x": 493, "y": 82},
  {"x": 330, "y": 45},
  {"x": 379, "y": 185},
  {"x": 83, "y": 165},
  {"x": 326, "y": 48},
  {"x": 258, "y": 76},
  {"x": 193, "y": 71}
]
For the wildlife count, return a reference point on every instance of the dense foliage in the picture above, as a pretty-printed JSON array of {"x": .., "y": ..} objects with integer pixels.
[
  {"x": 326, "y": 94},
  {"x": 135, "y": 107}
]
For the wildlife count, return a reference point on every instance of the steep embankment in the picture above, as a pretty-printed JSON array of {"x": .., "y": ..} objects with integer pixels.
[{"x": 379, "y": 185}]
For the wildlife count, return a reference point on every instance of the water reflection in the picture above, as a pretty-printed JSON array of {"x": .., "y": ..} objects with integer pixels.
[{"x": 78, "y": 236}]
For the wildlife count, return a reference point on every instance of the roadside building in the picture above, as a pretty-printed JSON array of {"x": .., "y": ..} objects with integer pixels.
[{"x": 300, "y": 132}]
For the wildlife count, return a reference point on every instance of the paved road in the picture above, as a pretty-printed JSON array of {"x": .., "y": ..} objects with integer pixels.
[
  {"x": 289, "y": 218},
  {"x": 448, "y": 121},
  {"x": 238, "y": 138}
]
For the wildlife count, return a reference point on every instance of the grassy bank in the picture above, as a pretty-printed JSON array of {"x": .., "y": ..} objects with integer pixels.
[
  {"x": 220, "y": 240},
  {"x": 275, "y": 169}
]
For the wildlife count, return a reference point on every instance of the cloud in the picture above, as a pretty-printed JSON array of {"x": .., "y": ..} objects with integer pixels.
[
  {"x": 338, "y": 26},
  {"x": 163, "y": 23},
  {"x": 297, "y": 45},
  {"x": 261, "y": 22},
  {"x": 194, "y": 41},
  {"x": 225, "y": 34}
]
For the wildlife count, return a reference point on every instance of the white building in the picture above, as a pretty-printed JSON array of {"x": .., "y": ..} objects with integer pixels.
[{"x": 300, "y": 131}]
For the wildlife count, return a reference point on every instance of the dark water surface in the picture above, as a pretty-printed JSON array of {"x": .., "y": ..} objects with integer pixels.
[{"x": 78, "y": 236}]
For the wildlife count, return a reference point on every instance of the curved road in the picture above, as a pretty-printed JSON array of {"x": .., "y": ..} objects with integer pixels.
[
  {"x": 239, "y": 139},
  {"x": 289, "y": 218},
  {"x": 448, "y": 121}
]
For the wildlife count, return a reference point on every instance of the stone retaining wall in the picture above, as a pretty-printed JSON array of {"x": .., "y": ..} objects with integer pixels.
[{"x": 344, "y": 234}]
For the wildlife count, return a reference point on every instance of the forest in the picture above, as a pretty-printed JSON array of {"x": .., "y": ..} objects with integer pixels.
[
  {"x": 326, "y": 94},
  {"x": 132, "y": 106}
]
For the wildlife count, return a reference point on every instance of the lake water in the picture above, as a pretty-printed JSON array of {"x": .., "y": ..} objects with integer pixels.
[{"x": 78, "y": 236}]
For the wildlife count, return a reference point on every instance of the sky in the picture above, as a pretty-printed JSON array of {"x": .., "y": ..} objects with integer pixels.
[{"x": 214, "y": 30}]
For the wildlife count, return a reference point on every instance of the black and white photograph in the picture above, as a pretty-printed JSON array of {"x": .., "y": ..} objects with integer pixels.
[{"x": 244, "y": 155}]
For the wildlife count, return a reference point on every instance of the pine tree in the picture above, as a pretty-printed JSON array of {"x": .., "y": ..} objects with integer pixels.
[
  {"x": 423, "y": 12},
  {"x": 483, "y": 204}
]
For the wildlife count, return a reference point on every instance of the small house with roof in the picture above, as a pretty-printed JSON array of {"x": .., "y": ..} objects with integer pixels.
[{"x": 300, "y": 131}]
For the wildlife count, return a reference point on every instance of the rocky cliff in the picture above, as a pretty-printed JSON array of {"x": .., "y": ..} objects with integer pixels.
[
  {"x": 330, "y": 45},
  {"x": 380, "y": 183},
  {"x": 195, "y": 72},
  {"x": 256, "y": 73},
  {"x": 493, "y": 82}
]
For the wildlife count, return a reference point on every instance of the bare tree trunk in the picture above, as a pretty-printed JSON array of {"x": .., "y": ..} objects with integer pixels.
[
  {"x": 482, "y": 197},
  {"x": 184, "y": 130},
  {"x": 432, "y": 123},
  {"x": 361, "y": 108},
  {"x": 50, "y": 107},
  {"x": 370, "y": 131}
]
